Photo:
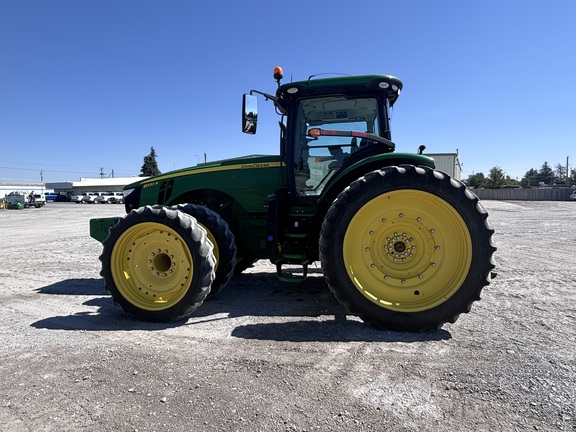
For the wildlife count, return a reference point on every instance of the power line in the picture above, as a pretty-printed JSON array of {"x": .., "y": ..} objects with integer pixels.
[
  {"x": 41, "y": 165},
  {"x": 87, "y": 172}
]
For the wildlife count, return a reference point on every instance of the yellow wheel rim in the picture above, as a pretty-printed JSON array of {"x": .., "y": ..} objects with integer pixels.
[
  {"x": 152, "y": 266},
  {"x": 407, "y": 250}
]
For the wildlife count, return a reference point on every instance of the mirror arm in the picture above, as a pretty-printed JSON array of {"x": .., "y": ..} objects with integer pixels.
[{"x": 266, "y": 95}]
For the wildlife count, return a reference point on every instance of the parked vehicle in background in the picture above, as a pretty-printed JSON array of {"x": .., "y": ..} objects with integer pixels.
[
  {"x": 50, "y": 196},
  {"x": 90, "y": 197},
  {"x": 35, "y": 200},
  {"x": 105, "y": 198},
  {"x": 119, "y": 197},
  {"x": 78, "y": 197},
  {"x": 20, "y": 200},
  {"x": 573, "y": 196},
  {"x": 15, "y": 201}
]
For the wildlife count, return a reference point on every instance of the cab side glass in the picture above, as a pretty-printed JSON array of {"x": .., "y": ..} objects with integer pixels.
[{"x": 249, "y": 114}]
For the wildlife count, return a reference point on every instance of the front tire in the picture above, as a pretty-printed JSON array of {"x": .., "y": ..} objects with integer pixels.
[
  {"x": 407, "y": 248},
  {"x": 158, "y": 264}
]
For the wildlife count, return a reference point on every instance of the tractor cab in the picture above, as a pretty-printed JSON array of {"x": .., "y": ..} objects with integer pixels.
[{"x": 328, "y": 124}]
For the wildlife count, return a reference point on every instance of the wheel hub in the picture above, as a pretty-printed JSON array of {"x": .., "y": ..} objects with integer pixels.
[
  {"x": 398, "y": 250},
  {"x": 161, "y": 263}
]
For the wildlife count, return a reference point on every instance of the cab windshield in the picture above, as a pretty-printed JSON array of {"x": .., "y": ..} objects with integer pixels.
[{"x": 317, "y": 159}]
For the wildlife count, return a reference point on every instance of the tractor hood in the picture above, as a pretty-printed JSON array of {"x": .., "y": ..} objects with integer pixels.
[
  {"x": 246, "y": 181},
  {"x": 243, "y": 163}
]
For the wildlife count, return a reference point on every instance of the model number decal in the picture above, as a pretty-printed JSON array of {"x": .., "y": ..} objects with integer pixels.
[
  {"x": 149, "y": 184},
  {"x": 255, "y": 165}
]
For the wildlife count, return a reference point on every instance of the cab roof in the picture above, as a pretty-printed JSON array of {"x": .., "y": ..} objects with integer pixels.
[{"x": 348, "y": 84}]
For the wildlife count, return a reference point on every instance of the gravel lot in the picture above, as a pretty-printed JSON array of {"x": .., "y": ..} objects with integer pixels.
[{"x": 267, "y": 356}]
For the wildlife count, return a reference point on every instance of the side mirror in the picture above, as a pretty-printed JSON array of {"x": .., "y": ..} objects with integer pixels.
[{"x": 249, "y": 114}]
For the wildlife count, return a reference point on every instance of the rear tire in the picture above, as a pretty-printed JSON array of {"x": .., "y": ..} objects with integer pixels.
[
  {"x": 158, "y": 264},
  {"x": 222, "y": 239},
  {"x": 407, "y": 248}
]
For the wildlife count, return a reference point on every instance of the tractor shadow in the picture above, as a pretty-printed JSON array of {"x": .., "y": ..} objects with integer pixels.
[{"x": 258, "y": 294}]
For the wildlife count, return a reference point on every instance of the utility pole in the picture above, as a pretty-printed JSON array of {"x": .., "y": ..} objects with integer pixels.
[{"x": 101, "y": 172}]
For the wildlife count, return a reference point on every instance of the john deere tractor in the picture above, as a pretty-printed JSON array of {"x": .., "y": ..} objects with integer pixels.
[{"x": 401, "y": 244}]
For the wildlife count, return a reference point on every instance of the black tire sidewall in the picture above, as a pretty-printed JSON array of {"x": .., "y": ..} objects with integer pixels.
[{"x": 222, "y": 234}]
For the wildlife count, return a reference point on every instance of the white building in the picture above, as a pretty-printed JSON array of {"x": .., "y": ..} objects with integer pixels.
[
  {"x": 448, "y": 163},
  {"x": 24, "y": 187}
]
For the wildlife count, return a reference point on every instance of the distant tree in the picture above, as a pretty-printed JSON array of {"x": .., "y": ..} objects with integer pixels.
[
  {"x": 572, "y": 177},
  {"x": 476, "y": 180},
  {"x": 495, "y": 178},
  {"x": 530, "y": 179},
  {"x": 150, "y": 166},
  {"x": 560, "y": 173},
  {"x": 546, "y": 174},
  {"x": 511, "y": 182}
]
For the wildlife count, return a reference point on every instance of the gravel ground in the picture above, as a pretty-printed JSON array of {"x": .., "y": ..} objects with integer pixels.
[{"x": 267, "y": 356}]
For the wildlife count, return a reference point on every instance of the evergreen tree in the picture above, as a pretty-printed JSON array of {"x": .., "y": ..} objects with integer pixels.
[
  {"x": 546, "y": 174},
  {"x": 150, "y": 166},
  {"x": 496, "y": 178},
  {"x": 561, "y": 174}
]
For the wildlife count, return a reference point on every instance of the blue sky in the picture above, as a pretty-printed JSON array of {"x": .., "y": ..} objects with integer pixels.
[{"x": 93, "y": 84}]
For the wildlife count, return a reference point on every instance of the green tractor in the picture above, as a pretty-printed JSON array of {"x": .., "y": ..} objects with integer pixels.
[{"x": 401, "y": 245}]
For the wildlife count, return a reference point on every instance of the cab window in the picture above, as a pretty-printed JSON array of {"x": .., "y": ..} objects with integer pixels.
[{"x": 317, "y": 159}]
